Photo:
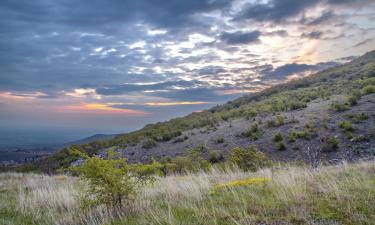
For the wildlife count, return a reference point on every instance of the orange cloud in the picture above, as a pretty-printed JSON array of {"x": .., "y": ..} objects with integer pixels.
[
  {"x": 24, "y": 96},
  {"x": 102, "y": 109},
  {"x": 160, "y": 103}
]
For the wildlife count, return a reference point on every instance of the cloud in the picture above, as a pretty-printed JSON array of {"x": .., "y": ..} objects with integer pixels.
[
  {"x": 128, "y": 88},
  {"x": 101, "y": 109},
  {"x": 279, "y": 11},
  {"x": 312, "y": 35},
  {"x": 275, "y": 10},
  {"x": 284, "y": 71},
  {"x": 241, "y": 37},
  {"x": 363, "y": 42}
]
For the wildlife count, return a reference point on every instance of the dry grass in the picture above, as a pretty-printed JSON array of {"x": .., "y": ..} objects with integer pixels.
[{"x": 342, "y": 194}]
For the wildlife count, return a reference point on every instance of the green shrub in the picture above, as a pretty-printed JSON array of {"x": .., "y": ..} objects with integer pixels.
[
  {"x": 149, "y": 143},
  {"x": 220, "y": 139},
  {"x": 354, "y": 97},
  {"x": 277, "y": 137},
  {"x": 280, "y": 120},
  {"x": 215, "y": 157},
  {"x": 111, "y": 182},
  {"x": 293, "y": 135},
  {"x": 271, "y": 123},
  {"x": 248, "y": 159},
  {"x": 254, "y": 133},
  {"x": 369, "y": 89},
  {"x": 339, "y": 106},
  {"x": 281, "y": 146},
  {"x": 357, "y": 118},
  {"x": 331, "y": 144},
  {"x": 346, "y": 126},
  {"x": 293, "y": 105}
]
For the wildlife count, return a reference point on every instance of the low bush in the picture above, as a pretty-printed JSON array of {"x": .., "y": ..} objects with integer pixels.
[
  {"x": 369, "y": 89},
  {"x": 277, "y": 137},
  {"x": 215, "y": 156},
  {"x": 340, "y": 106},
  {"x": 254, "y": 133},
  {"x": 331, "y": 144},
  {"x": 220, "y": 139},
  {"x": 149, "y": 143},
  {"x": 249, "y": 159},
  {"x": 280, "y": 120},
  {"x": 346, "y": 126},
  {"x": 281, "y": 146}
]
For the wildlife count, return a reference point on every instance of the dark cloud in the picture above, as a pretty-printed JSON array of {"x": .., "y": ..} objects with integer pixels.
[
  {"x": 282, "y": 10},
  {"x": 281, "y": 33},
  {"x": 363, "y": 42},
  {"x": 241, "y": 37},
  {"x": 211, "y": 70},
  {"x": 325, "y": 17},
  {"x": 312, "y": 35},
  {"x": 276, "y": 10},
  {"x": 86, "y": 13},
  {"x": 282, "y": 72}
]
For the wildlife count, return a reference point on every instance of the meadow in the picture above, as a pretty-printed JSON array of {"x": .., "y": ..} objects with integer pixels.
[{"x": 283, "y": 194}]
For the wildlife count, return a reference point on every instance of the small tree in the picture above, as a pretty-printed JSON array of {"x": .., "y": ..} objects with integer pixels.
[{"x": 111, "y": 181}]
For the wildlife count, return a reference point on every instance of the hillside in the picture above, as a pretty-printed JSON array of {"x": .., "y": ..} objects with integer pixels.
[{"x": 328, "y": 116}]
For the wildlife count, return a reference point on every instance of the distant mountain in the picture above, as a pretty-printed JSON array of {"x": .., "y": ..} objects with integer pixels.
[
  {"x": 327, "y": 116},
  {"x": 95, "y": 137}
]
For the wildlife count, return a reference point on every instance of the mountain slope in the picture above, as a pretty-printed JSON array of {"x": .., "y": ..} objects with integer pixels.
[{"x": 326, "y": 116}]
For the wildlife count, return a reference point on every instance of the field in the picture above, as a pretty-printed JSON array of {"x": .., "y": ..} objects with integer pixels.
[{"x": 285, "y": 194}]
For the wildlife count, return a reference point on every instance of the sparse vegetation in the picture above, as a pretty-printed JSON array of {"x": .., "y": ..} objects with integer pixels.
[{"x": 341, "y": 194}]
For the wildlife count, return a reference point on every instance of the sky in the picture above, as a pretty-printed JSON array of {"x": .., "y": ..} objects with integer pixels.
[{"x": 117, "y": 65}]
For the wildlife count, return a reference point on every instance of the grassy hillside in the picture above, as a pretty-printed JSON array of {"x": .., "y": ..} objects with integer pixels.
[
  {"x": 332, "y": 111},
  {"x": 340, "y": 194}
]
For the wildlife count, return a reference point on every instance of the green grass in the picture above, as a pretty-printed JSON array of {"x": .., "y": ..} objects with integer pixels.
[{"x": 342, "y": 194}]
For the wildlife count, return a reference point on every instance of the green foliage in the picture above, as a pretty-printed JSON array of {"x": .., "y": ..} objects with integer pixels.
[
  {"x": 354, "y": 97},
  {"x": 368, "y": 90},
  {"x": 346, "y": 126},
  {"x": 277, "y": 137},
  {"x": 220, "y": 139},
  {"x": 254, "y": 133},
  {"x": 280, "y": 146},
  {"x": 111, "y": 181},
  {"x": 248, "y": 159},
  {"x": 357, "y": 118},
  {"x": 215, "y": 156},
  {"x": 340, "y": 106},
  {"x": 280, "y": 120},
  {"x": 331, "y": 144},
  {"x": 149, "y": 143}
]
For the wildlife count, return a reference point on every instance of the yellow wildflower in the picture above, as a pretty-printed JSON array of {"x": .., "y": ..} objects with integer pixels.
[{"x": 245, "y": 182}]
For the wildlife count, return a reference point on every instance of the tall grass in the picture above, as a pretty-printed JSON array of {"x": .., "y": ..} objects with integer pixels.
[{"x": 340, "y": 194}]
